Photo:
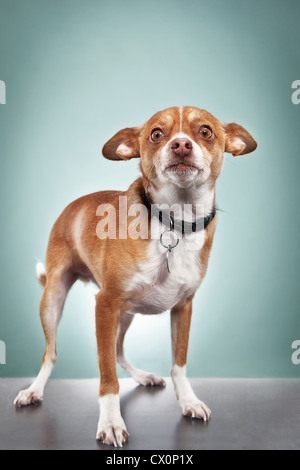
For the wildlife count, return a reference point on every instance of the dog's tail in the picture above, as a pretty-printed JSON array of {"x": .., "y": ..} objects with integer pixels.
[{"x": 41, "y": 273}]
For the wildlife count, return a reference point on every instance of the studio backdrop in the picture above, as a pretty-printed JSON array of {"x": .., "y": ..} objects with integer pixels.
[{"x": 73, "y": 73}]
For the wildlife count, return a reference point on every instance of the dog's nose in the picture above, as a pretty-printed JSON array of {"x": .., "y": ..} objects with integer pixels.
[{"x": 181, "y": 147}]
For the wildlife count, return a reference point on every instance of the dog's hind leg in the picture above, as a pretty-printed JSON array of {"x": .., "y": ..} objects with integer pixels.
[
  {"x": 140, "y": 376},
  {"x": 57, "y": 285}
]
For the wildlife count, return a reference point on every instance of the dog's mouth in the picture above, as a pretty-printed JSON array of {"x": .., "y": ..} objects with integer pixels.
[{"x": 182, "y": 167}]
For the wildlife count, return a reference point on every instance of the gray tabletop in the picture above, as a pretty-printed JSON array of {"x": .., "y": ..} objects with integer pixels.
[{"x": 246, "y": 414}]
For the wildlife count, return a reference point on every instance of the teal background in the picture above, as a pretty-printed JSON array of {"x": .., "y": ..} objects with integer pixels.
[{"x": 78, "y": 71}]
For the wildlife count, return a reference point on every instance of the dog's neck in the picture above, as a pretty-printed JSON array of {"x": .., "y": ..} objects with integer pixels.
[{"x": 194, "y": 201}]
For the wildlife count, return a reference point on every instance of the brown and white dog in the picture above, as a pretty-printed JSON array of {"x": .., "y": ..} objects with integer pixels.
[{"x": 181, "y": 151}]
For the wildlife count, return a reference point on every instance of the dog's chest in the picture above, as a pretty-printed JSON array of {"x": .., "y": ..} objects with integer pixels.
[{"x": 154, "y": 289}]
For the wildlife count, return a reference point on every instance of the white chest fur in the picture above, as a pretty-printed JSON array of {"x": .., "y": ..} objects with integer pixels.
[{"x": 155, "y": 289}]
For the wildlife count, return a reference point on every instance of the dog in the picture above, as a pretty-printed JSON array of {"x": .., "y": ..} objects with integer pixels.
[{"x": 181, "y": 151}]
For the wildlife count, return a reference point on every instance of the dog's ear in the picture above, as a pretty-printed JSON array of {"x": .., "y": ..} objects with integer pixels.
[
  {"x": 124, "y": 145},
  {"x": 238, "y": 141}
]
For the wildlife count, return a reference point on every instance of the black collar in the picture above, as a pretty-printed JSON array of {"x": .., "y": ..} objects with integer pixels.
[{"x": 181, "y": 226}]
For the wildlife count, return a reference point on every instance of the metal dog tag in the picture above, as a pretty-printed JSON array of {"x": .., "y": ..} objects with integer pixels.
[{"x": 169, "y": 240}]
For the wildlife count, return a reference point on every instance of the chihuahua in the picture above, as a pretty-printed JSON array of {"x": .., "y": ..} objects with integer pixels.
[{"x": 146, "y": 264}]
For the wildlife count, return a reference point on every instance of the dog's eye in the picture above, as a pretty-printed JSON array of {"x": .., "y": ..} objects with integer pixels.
[
  {"x": 156, "y": 135},
  {"x": 205, "y": 132}
]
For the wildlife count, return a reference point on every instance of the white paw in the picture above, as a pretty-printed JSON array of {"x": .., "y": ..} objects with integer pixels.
[
  {"x": 147, "y": 379},
  {"x": 28, "y": 397},
  {"x": 196, "y": 409},
  {"x": 112, "y": 433}
]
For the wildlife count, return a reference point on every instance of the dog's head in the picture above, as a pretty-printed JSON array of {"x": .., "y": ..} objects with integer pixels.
[{"x": 184, "y": 146}]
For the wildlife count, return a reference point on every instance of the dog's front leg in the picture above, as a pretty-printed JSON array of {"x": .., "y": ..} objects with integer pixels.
[
  {"x": 111, "y": 427},
  {"x": 180, "y": 327}
]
